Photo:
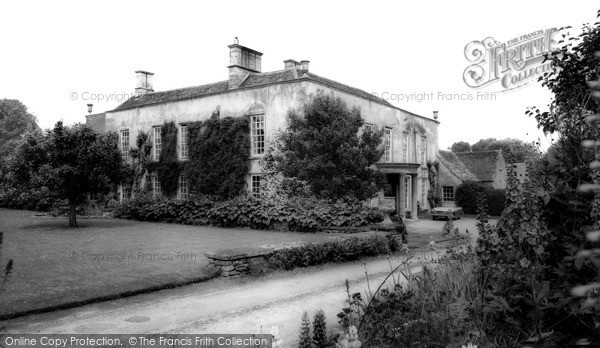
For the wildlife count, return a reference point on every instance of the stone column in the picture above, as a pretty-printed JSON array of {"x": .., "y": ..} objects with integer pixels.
[
  {"x": 414, "y": 181},
  {"x": 400, "y": 197}
]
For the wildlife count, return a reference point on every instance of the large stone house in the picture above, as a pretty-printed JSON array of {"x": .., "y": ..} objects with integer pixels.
[{"x": 265, "y": 98}]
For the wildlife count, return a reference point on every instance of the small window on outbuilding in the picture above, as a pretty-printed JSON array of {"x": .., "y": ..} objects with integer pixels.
[{"x": 448, "y": 193}]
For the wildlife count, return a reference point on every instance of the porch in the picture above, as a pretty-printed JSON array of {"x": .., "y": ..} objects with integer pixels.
[{"x": 402, "y": 184}]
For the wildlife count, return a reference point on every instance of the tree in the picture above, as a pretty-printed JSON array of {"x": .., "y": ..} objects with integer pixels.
[
  {"x": 513, "y": 150},
  {"x": 15, "y": 121},
  {"x": 322, "y": 147},
  {"x": 461, "y": 146},
  {"x": 71, "y": 161},
  {"x": 482, "y": 144}
]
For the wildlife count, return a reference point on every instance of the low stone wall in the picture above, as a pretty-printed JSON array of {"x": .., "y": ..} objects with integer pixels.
[{"x": 235, "y": 262}]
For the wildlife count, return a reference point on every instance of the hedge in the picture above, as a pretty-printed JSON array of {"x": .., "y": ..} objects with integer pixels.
[
  {"x": 350, "y": 249},
  {"x": 29, "y": 199},
  {"x": 467, "y": 195},
  {"x": 305, "y": 215}
]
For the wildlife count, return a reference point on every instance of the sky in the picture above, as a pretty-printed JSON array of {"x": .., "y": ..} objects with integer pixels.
[{"x": 58, "y": 56}]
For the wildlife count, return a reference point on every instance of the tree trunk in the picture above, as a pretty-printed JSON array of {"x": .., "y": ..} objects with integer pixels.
[{"x": 72, "y": 214}]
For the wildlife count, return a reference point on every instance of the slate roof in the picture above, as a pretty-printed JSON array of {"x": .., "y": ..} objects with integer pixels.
[
  {"x": 172, "y": 95},
  {"x": 481, "y": 163},
  {"x": 456, "y": 166},
  {"x": 252, "y": 80}
]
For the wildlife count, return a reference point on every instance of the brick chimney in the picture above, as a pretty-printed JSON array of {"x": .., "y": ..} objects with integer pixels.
[
  {"x": 242, "y": 61},
  {"x": 144, "y": 82}
]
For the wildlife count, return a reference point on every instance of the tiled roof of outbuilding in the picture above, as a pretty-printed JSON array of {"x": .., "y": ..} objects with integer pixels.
[
  {"x": 456, "y": 166},
  {"x": 481, "y": 163}
]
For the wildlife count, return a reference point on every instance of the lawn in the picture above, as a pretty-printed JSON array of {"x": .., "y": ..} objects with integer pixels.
[{"x": 55, "y": 265}]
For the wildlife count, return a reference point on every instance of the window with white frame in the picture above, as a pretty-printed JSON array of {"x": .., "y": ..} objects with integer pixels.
[
  {"x": 369, "y": 127},
  {"x": 448, "y": 193},
  {"x": 156, "y": 190},
  {"x": 257, "y": 129},
  {"x": 125, "y": 143},
  {"x": 125, "y": 192},
  {"x": 183, "y": 188},
  {"x": 405, "y": 146},
  {"x": 388, "y": 144},
  {"x": 255, "y": 188},
  {"x": 156, "y": 142},
  {"x": 183, "y": 138},
  {"x": 423, "y": 150}
]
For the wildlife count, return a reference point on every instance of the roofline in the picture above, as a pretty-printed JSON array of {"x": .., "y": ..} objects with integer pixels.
[
  {"x": 442, "y": 159},
  {"x": 299, "y": 79},
  {"x": 497, "y": 150},
  {"x": 244, "y": 48}
]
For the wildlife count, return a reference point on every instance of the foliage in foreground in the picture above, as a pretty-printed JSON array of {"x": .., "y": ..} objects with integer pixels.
[{"x": 509, "y": 290}]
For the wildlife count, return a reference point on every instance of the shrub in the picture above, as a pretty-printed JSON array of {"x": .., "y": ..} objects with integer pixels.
[
  {"x": 306, "y": 214},
  {"x": 466, "y": 196},
  {"x": 349, "y": 249},
  {"x": 31, "y": 199},
  {"x": 468, "y": 192}
]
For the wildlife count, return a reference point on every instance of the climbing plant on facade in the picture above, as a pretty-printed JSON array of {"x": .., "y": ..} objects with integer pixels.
[
  {"x": 433, "y": 196},
  {"x": 219, "y": 156},
  {"x": 168, "y": 167}
]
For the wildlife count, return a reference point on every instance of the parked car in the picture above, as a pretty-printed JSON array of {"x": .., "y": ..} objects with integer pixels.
[{"x": 447, "y": 210}]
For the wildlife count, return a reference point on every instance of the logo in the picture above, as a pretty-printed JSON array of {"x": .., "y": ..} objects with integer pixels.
[{"x": 512, "y": 64}]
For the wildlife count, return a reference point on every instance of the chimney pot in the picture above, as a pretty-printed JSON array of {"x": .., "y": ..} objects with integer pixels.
[
  {"x": 435, "y": 115},
  {"x": 90, "y": 108},
  {"x": 305, "y": 64}
]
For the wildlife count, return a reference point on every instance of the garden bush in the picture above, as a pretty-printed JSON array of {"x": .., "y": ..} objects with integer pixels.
[
  {"x": 466, "y": 196},
  {"x": 468, "y": 193},
  {"x": 30, "y": 199},
  {"x": 306, "y": 214},
  {"x": 344, "y": 250}
]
